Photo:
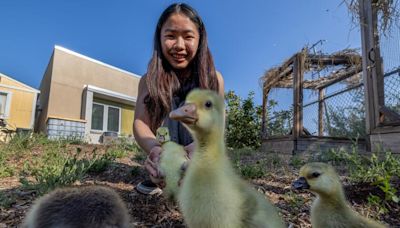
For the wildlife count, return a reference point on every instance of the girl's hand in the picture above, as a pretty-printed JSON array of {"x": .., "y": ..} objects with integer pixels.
[
  {"x": 152, "y": 162},
  {"x": 189, "y": 150}
]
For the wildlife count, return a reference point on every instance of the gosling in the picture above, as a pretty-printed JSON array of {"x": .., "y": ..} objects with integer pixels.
[
  {"x": 84, "y": 207},
  {"x": 172, "y": 161},
  {"x": 330, "y": 209},
  {"x": 212, "y": 194}
]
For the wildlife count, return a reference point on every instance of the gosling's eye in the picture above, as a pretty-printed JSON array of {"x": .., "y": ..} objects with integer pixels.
[
  {"x": 315, "y": 174},
  {"x": 208, "y": 104}
]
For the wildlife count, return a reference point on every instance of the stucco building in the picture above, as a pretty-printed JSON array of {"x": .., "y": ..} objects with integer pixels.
[{"x": 83, "y": 97}]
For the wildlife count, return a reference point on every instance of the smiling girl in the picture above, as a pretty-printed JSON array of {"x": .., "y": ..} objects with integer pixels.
[{"x": 181, "y": 61}]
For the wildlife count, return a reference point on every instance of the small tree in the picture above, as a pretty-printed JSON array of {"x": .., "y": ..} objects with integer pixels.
[{"x": 243, "y": 121}]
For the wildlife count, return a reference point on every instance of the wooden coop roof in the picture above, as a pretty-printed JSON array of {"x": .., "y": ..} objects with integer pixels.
[{"x": 282, "y": 76}]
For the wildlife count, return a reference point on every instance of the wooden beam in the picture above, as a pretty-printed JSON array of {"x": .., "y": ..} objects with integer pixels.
[
  {"x": 377, "y": 74},
  {"x": 319, "y": 83},
  {"x": 387, "y": 130},
  {"x": 326, "y": 60},
  {"x": 269, "y": 84},
  {"x": 298, "y": 70},
  {"x": 285, "y": 69},
  {"x": 337, "y": 77},
  {"x": 321, "y": 104},
  {"x": 264, "y": 115},
  {"x": 365, "y": 8},
  {"x": 388, "y": 115}
]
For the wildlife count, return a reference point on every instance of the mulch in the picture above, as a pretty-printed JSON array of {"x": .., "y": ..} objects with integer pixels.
[{"x": 155, "y": 211}]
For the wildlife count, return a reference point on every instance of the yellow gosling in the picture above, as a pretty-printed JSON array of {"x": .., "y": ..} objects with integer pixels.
[
  {"x": 330, "y": 209},
  {"x": 92, "y": 206},
  {"x": 172, "y": 159},
  {"x": 212, "y": 194}
]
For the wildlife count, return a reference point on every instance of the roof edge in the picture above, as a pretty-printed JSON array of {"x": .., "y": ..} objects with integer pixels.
[
  {"x": 94, "y": 60},
  {"x": 12, "y": 79}
]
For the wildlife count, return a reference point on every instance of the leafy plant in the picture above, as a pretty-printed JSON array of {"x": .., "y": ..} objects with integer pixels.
[
  {"x": 377, "y": 203},
  {"x": 6, "y": 200},
  {"x": 296, "y": 161},
  {"x": 295, "y": 200},
  {"x": 6, "y": 170},
  {"x": 251, "y": 171},
  {"x": 375, "y": 170},
  {"x": 243, "y": 121}
]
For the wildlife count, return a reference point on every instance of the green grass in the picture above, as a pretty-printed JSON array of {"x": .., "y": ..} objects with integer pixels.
[
  {"x": 297, "y": 161},
  {"x": 6, "y": 200},
  {"x": 252, "y": 171},
  {"x": 55, "y": 168},
  {"x": 48, "y": 164}
]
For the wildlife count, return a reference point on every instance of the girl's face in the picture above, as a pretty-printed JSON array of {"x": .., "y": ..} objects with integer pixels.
[{"x": 179, "y": 40}]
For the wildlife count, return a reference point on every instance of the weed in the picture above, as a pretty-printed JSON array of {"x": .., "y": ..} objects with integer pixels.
[
  {"x": 6, "y": 201},
  {"x": 116, "y": 152},
  {"x": 294, "y": 200},
  {"x": 6, "y": 170},
  {"x": 101, "y": 163},
  {"x": 20, "y": 142},
  {"x": 251, "y": 171},
  {"x": 375, "y": 170},
  {"x": 273, "y": 160},
  {"x": 296, "y": 161},
  {"x": 235, "y": 154},
  {"x": 377, "y": 204},
  {"x": 57, "y": 168}
]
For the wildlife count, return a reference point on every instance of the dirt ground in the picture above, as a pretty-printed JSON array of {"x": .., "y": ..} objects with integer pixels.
[{"x": 154, "y": 211}]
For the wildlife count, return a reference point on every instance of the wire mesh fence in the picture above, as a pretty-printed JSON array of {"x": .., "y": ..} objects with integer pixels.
[
  {"x": 310, "y": 117},
  {"x": 280, "y": 112},
  {"x": 343, "y": 112},
  {"x": 392, "y": 91},
  {"x": 390, "y": 52}
]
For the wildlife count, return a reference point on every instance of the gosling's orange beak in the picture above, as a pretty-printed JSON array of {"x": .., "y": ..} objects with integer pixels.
[{"x": 186, "y": 114}]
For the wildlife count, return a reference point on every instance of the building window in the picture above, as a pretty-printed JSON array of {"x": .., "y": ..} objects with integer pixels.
[
  {"x": 97, "y": 117},
  {"x": 5, "y": 100},
  {"x": 106, "y": 117},
  {"x": 113, "y": 119}
]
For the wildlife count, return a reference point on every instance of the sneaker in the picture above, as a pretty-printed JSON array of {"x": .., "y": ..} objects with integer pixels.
[{"x": 147, "y": 187}]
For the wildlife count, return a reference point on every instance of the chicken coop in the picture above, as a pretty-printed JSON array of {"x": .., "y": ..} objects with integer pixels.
[
  {"x": 308, "y": 100},
  {"x": 316, "y": 101}
]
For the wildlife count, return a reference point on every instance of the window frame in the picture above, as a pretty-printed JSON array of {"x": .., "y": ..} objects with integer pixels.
[
  {"x": 105, "y": 117},
  {"x": 7, "y": 107}
]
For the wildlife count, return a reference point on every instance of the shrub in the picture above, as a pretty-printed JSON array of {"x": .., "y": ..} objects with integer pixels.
[{"x": 243, "y": 121}]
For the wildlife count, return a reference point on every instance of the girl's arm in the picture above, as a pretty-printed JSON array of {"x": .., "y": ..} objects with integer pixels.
[{"x": 141, "y": 130}]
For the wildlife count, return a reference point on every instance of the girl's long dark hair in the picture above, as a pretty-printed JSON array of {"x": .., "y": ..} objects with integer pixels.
[{"x": 162, "y": 82}]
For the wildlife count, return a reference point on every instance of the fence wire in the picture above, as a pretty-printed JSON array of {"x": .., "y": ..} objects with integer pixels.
[
  {"x": 344, "y": 113},
  {"x": 280, "y": 112},
  {"x": 310, "y": 118},
  {"x": 390, "y": 52}
]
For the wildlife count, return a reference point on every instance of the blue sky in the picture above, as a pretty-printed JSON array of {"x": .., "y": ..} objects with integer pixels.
[{"x": 245, "y": 37}]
